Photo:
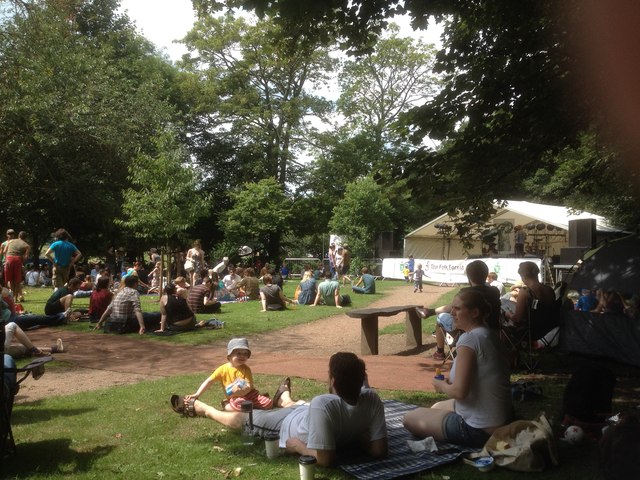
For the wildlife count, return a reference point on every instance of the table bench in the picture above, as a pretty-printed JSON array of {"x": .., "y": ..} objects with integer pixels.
[{"x": 369, "y": 326}]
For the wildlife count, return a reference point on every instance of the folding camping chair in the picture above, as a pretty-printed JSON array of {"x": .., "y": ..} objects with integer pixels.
[
  {"x": 450, "y": 342},
  {"x": 9, "y": 387},
  {"x": 539, "y": 334}
]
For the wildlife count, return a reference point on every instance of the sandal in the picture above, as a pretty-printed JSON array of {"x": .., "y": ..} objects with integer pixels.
[
  {"x": 285, "y": 386},
  {"x": 58, "y": 347},
  {"x": 180, "y": 405}
]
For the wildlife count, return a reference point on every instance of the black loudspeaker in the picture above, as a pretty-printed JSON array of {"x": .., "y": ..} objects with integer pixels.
[
  {"x": 570, "y": 255},
  {"x": 582, "y": 233}
]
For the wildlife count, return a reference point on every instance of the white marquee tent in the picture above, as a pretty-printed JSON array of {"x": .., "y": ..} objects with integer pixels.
[{"x": 546, "y": 227}]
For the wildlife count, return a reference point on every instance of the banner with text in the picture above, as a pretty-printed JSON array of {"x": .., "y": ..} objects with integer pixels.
[{"x": 452, "y": 271}]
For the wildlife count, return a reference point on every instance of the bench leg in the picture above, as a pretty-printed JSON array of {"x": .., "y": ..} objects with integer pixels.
[
  {"x": 413, "y": 327},
  {"x": 369, "y": 335}
]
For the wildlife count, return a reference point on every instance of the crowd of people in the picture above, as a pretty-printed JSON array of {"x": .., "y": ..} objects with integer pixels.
[{"x": 478, "y": 386}]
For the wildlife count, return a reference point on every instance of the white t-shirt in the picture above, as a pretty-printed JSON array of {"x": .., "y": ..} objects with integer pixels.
[
  {"x": 32, "y": 278},
  {"x": 330, "y": 422},
  {"x": 230, "y": 281},
  {"x": 488, "y": 403}
]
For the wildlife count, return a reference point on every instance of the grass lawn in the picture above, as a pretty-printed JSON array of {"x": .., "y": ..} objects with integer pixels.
[
  {"x": 131, "y": 432},
  {"x": 241, "y": 319}
]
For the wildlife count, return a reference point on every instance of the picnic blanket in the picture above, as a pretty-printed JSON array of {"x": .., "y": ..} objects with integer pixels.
[{"x": 401, "y": 460}]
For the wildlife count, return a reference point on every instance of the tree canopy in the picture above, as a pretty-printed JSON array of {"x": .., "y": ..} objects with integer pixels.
[{"x": 80, "y": 94}]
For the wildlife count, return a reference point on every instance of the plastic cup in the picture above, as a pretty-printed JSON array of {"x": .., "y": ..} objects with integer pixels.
[
  {"x": 271, "y": 443},
  {"x": 307, "y": 467}
]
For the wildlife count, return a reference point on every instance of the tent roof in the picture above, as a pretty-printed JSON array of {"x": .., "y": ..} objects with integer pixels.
[{"x": 537, "y": 212}]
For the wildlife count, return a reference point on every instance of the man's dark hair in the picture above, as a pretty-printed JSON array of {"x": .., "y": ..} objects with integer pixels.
[
  {"x": 74, "y": 282},
  {"x": 267, "y": 279},
  {"x": 528, "y": 270},
  {"x": 62, "y": 234},
  {"x": 348, "y": 373},
  {"x": 103, "y": 282},
  {"x": 130, "y": 281},
  {"x": 327, "y": 274},
  {"x": 477, "y": 272}
]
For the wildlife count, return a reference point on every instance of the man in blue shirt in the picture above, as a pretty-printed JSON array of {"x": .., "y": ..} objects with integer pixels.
[{"x": 63, "y": 255}]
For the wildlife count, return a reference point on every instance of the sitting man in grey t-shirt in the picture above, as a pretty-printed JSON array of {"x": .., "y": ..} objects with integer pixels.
[{"x": 351, "y": 414}]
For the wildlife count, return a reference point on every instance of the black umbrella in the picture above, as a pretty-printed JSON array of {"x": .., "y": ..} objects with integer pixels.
[{"x": 615, "y": 265}]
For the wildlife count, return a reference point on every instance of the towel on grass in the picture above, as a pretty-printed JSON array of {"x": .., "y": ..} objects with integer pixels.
[{"x": 401, "y": 460}]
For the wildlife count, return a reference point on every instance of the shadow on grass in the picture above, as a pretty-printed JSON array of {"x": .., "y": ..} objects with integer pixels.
[
  {"x": 26, "y": 417},
  {"x": 50, "y": 457}
]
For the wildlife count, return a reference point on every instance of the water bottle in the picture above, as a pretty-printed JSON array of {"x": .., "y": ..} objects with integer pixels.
[{"x": 247, "y": 427}]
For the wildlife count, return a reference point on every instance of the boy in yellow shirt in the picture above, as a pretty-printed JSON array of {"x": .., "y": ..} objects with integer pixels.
[{"x": 236, "y": 379}]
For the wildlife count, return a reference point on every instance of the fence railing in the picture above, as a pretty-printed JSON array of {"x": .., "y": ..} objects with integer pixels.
[{"x": 296, "y": 265}]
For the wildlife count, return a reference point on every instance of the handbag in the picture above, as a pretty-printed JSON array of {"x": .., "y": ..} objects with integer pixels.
[{"x": 523, "y": 446}]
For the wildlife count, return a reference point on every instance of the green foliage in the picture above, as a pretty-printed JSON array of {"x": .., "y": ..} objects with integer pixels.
[
  {"x": 575, "y": 171},
  {"x": 80, "y": 94},
  {"x": 163, "y": 201},
  {"x": 363, "y": 213},
  {"x": 379, "y": 86},
  {"x": 253, "y": 88},
  {"x": 261, "y": 212}
]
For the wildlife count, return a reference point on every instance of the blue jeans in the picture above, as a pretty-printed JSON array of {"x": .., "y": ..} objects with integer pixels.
[{"x": 26, "y": 322}]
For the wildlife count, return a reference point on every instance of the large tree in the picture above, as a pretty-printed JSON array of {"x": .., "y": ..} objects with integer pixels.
[
  {"x": 261, "y": 213},
  {"x": 510, "y": 97},
  {"x": 363, "y": 213},
  {"x": 80, "y": 94},
  {"x": 254, "y": 89},
  {"x": 376, "y": 88}
]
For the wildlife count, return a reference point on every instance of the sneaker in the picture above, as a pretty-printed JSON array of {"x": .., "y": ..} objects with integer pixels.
[
  {"x": 433, "y": 334},
  {"x": 439, "y": 356}
]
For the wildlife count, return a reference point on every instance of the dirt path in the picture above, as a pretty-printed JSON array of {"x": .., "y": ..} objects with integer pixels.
[{"x": 301, "y": 350}]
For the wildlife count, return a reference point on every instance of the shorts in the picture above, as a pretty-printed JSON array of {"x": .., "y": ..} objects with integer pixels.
[
  {"x": 456, "y": 431},
  {"x": 269, "y": 421},
  {"x": 260, "y": 402},
  {"x": 446, "y": 320},
  {"x": 60, "y": 276},
  {"x": 13, "y": 269}
]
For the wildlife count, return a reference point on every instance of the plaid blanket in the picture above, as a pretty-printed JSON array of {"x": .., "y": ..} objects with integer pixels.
[{"x": 401, "y": 460}]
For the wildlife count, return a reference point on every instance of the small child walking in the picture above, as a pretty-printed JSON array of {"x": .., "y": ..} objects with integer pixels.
[
  {"x": 236, "y": 379},
  {"x": 417, "y": 278}
]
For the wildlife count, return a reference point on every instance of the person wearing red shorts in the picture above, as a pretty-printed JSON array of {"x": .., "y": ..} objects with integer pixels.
[{"x": 16, "y": 251}]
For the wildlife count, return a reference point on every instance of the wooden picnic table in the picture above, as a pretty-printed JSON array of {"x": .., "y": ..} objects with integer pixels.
[{"x": 369, "y": 325}]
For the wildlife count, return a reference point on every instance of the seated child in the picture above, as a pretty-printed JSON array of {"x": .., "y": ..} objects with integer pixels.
[{"x": 237, "y": 382}]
